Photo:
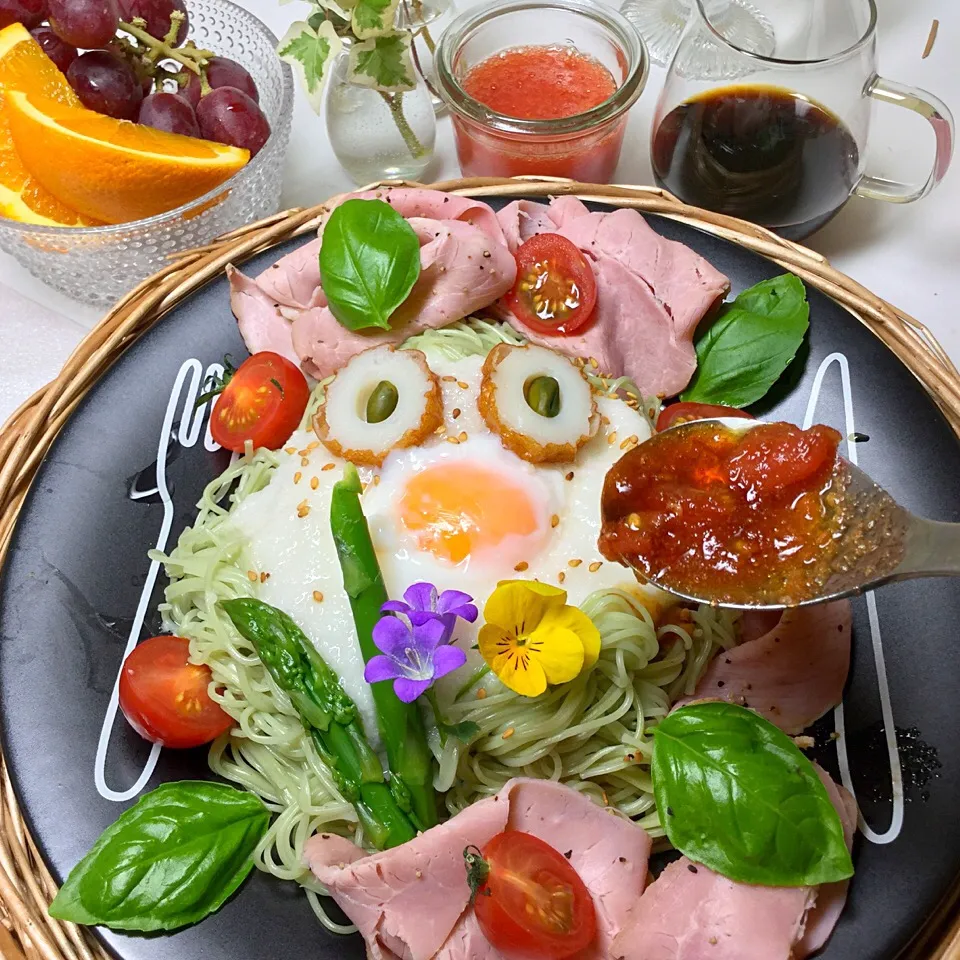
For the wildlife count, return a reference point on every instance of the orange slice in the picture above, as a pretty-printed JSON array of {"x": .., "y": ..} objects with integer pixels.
[
  {"x": 25, "y": 67},
  {"x": 114, "y": 170}
]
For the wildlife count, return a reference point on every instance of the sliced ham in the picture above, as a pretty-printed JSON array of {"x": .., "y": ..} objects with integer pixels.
[
  {"x": 792, "y": 674},
  {"x": 262, "y": 326},
  {"x": 460, "y": 272},
  {"x": 831, "y": 897},
  {"x": 465, "y": 265},
  {"x": 294, "y": 280},
  {"x": 413, "y": 901},
  {"x": 692, "y": 913},
  {"x": 651, "y": 292}
]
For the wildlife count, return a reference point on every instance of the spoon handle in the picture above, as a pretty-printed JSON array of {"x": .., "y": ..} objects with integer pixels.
[{"x": 931, "y": 549}]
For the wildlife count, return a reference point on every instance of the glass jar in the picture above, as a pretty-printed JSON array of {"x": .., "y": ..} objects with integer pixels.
[
  {"x": 585, "y": 146},
  {"x": 377, "y": 135}
]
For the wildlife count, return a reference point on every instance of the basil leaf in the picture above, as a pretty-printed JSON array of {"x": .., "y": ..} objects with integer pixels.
[
  {"x": 369, "y": 262},
  {"x": 736, "y": 794},
  {"x": 745, "y": 350},
  {"x": 168, "y": 861}
]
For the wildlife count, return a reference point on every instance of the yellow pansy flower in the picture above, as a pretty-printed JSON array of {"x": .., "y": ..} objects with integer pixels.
[{"x": 531, "y": 637}]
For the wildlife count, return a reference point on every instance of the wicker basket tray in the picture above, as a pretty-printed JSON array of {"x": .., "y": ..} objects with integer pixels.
[{"x": 26, "y": 887}]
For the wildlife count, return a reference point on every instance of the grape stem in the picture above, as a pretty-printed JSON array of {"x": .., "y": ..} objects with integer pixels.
[{"x": 189, "y": 56}]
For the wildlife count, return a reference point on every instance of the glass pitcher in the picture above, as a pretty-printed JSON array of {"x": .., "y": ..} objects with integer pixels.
[{"x": 779, "y": 137}]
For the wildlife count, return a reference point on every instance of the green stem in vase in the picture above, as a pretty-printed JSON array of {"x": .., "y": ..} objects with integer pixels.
[{"x": 395, "y": 103}]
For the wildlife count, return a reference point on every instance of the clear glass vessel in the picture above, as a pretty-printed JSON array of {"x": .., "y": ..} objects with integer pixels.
[
  {"x": 427, "y": 20},
  {"x": 100, "y": 264},
  {"x": 585, "y": 146},
  {"x": 661, "y": 22},
  {"x": 376, "y": 135}
]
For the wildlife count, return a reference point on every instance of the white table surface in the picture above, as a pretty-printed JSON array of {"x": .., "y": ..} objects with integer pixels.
[{"x": 907, "y": 254}]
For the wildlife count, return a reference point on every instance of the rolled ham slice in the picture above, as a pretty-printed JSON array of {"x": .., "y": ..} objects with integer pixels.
[
  {"x": 464, "y": 266},
  {"x": 792, "y": 674},
  {"x": 651, "y": 292},
  {"x": 691, "y": 913},
  {"x": 413, "y": 901}
]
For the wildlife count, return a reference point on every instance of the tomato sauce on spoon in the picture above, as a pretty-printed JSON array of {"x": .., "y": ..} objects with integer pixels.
[{"x": 737, "y": 516}]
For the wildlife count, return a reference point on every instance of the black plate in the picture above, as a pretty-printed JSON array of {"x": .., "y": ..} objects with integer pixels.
[{"x": 77, "y": 567}]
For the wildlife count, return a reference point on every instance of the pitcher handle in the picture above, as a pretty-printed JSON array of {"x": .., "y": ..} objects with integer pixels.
[{"x": 929, "y": 107}]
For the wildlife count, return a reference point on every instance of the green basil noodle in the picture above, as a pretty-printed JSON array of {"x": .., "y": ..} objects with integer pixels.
[{"x": 593, "y": 734}]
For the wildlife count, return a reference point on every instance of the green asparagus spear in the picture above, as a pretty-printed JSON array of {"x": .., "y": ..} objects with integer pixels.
[
  {"x": 329, "y": 715},
  {"x": 401, "y": 724}
]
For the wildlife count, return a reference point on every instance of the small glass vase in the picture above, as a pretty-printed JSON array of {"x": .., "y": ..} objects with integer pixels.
[
  {"x": 426, "y": 20},
  {"x": 376, "y": 135}
]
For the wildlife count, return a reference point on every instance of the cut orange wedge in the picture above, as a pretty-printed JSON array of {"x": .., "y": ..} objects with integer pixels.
[
  {"x": 114, "y": 170},
  {"x": 25, "y": 67}
]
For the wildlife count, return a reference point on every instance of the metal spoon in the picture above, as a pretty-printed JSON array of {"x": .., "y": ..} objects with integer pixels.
[{"x": 881, "y": 542}]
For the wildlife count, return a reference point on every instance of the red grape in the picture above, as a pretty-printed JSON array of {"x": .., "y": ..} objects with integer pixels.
[
  {"x": 59, "y": 51},
  {"x": 31, "y": 13},
  {"x": 85, "y": 23},
  {"x": 228, "y": 115},
  {"x": 106, "y": 84},
  {"x": 157, "y": 15},
  {"x": 224, "y": 72},
  {"x": 167, "y": 111}
]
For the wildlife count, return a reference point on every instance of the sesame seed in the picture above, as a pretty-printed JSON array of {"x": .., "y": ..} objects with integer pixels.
[
  {"x": 574, "y": 563},
  {"x": 440, "y": 429},
  {"x": 376, "y": 480},
  {"x": 561, "y": 576},
  {"x": 508, "y": 733},
  {"x": 612, "y": 437},
  {"x": 481, "y": 694},
  {"x": 264, "y": 577},
  {"x": 303, "y": 453},
  {"x": 297, "y": 477},
  {"x": 462, "y": 385},
  {"x": 456, "y": 413},
  {"x": 569, "y": 475},
  {"x": 633, "y": 521},
  {"x": 419, "y": 874},
  {"x": 594, "y": 364},
  {"x": 303, "y": 508},
  {"x": 452, "y": 440},
  {"x": 304, "y": 462},
  {"x": 290, "y": 450},
  {"x": 595, "y": 566},
  {"x": 554, "y": 521},
  {"x": 449, "y": 379},
  {"x": 312, "y": 445},
  {"x": 318, "y": 596},
  {"x": 326, "y": 467},
  {"x": 462, "y": 436},
  {"x": 521, "y": 566},
  {"x": 606, "y": 802},
  {"x": 252, "y": 576},
  {"x": 314, "y": 483}
]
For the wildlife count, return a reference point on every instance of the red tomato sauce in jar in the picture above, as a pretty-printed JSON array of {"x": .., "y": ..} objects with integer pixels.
[
  {"x": 740, "y": 516},
  {"x": 540, "y": 83}
]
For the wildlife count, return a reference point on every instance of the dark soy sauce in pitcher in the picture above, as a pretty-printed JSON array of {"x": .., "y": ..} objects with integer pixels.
[{"x": 760, "y": 153}]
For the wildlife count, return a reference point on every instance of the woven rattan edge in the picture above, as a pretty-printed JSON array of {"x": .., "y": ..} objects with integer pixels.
[{"x": 26, "y": 931}]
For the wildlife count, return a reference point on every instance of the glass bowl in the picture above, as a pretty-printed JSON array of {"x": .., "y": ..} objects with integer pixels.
[
  {"x": 99, "y": 265},
  {"x": 585, "y": 146}
]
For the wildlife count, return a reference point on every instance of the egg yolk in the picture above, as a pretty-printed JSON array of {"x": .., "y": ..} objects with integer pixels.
[{"x": 459, "y": 509}]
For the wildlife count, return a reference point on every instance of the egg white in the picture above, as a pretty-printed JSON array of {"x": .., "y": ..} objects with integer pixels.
[{"x": 287, "y": 526}]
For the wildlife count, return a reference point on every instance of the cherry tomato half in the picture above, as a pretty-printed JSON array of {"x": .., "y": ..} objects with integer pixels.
[
  {"x": 684, "y": 412},
  {"x": 164, "y": 697},
  {"x": 533, "y": 905},
  {"x": 556, "y": 290},
  {"x": 263, "y": 402}
]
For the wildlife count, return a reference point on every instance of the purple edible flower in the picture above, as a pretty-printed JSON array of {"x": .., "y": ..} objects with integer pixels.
[
  {"x": 414, "y": 654},
  {"x": 421, "y": 603}
]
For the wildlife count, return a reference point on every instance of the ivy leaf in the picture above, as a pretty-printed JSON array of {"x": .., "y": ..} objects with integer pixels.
[
  {"x": 310, "y": 52},
  {"x": 383, "y": 62},
  {"x": 373, "y": 18}
]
